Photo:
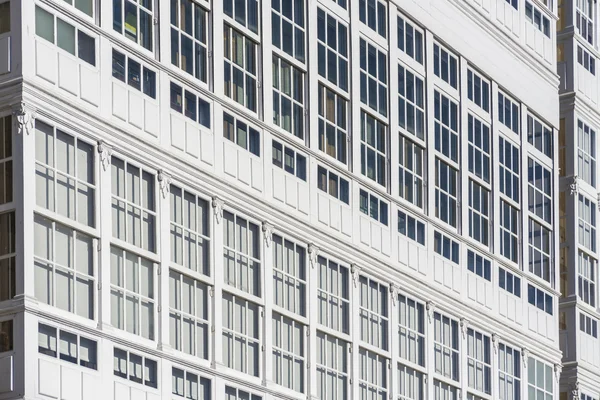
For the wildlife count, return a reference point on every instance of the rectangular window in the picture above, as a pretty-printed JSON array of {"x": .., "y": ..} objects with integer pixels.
[
  {"x": 288, "y": 353},
  {"x": 333, "y": 119},
  {"x": 132, "y": 293},
  {"x": 479, "y": 148},
  {"x": 514, "y": 3},
  {"x": 411, "y": 385},
  {"x": 288, "y": 28},
  {"x": 508, "y": 112},
  {"x": 333, "y": 295},
  {"x": 241, "y": 335},
  {"x": 134, "y": 74},
  {"x": 586, "y": 278},
  {"x": 478, "y": 90},
  {"x": 288, "y": 97},
  {"x": 241, "y": 67},
  {"x": 584, "y": 19},
  {"x": 540, "y": 135},
  {"x": 446, "y": 351},
  {"x": 190, "y": 230},
  {"x": 332, "y": 367},
  {"x": 244, "y": 12},
  {"x": 540, "y": 299},
  {"x": 189, "y": 38},
  {"x": 246, "y": 136},
  {"x": 479, "y": 361},
  {"x": 587, "y": 223},
  {"x": 187, "y": 103},
  {"x": 588, "y": 325},
  {"x": 373, "y": 148},
  {"x": 190, "y": 386},
  {"x": 135, "y": 20},
  {"x": 537, "y": 18},
  {"x": 509, "y": 282},
  {"x": 446, "y": 247},
  {"x": 232, "y": 393},
  {"x": 133, "y": 205},
  {"x": 539, "y": 379},
  {"x": 289, "y": 275},
  {"x": 241, "y": 252},
  {"x": 5, "y": 17},
  {"x": 540, "y": 251},
  {"x": 445, "y": 65},
  {"x": 136, "y": 368},
  {"x": 373, "y": 13},
  {"x": 411, "y": 103},
  {"x": 8, "y": 253},
  {"x": 509, "y": 231},
  {"x": 479, "y": 212},
  {"x": 411, "y": 227},
  {"x": 411, "y": 160},
  {"x": 540, "y": 190},
  {"x": 290, "y": 160},
  {"x": 446, "y": 126},
  {"x": 333, "y": 184},
  {"x": 374, "y": 207},
  {"x": 67, "y": 346},
  {"x": 587, "y": 60},
  {"x": 410, "y": 39},
  {"x": 189, "y": 315},
  {"x": 444, "y": 391},
  {"x": 479, "y": 265},
  {"x": 509, "y": 169},
  {"x": 509, "y": 371},
  {"x": 446, "y": 192},
  {"x": 6, "y": 158},
  {"x": 6, "y": 336},
  {"x": 64, "y": 182},
  {"x": 373, "y": 77},
  {"x": 332, "y": 46},
  {"x": 373, "y": 377},
  {"x": 374, "y": 318},
  {"x": 586, "y": 153},
  {"x": 411, "y": 330}
]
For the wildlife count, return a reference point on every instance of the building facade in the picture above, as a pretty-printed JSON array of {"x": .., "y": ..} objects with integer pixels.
[{"x": 332, "y": 199}]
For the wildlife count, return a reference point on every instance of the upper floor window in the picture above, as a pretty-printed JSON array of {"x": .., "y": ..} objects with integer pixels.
[
  {"x": 410, "y": 39},
  {"x": 135, "y": 20},
  {"x": 332, "y": 47},
  {"x": 291, "y": 161},
  {"x": 539, "y": 298},
  {"x": 508, "y": 112},
  {"x": 373, "y": 13},
  {"x": 537, "y": 18},
  {"x": 133, "y": 73},
  {"x": 332, "y": 367},
  {"x": 586, "y": 153},
  {"x": 189, "y": 38},
  {"x": 411, "y": 104},
  {"x": 192, "y": 106},
  {"x": 66, "y": 36},
  {"x": 333, "y": 295},
  {"x": 509, "y": 282},
  {"x": 509, "y": 231},
  {"x": 514, "y": 3},
  {"x": 540, "y": 380},
  {"x": 479, "y": 265},
  {"x": 241, "y": 335},
  {"x": 5, "y": 17},
  {"x": 85, "y": 6},
  {"x": 6, "y": 336},
  {"x": 509, "y": 169},
  {"x": 446, "y": 192},
  {"x": 333, "y": 184},
  {"x": 8, "y": 253},
  {"x": 411, "y": 227},
  {"x": 540, "y": 190},
  {"x": 374, "y": 207},
  {"x": 374, "y": 318},
  {"x": 584, "y": 19},
  {"x": 411, "y": 167},
  {"x": 587, "y": 223},
  {"x": 241, "y": 133},
  {"x": 509, "y": 371},
  {"x": 445, "y": 65},
  {"x": 241, "y": 67},
  {"x": 479, "y": 148},
  {"x": 446, "y": 346},
  {"x": 287, "y": 27},
  {"x": 446, "y": 126},
  {"x": 288, "y": 97},
  {"x": 586, "y": 59},
  {"x": 478, "y": 90},
  {"x": 446, "y": 247},
  {"x": 136, "y": 368},
  {"x": 73, "y": 348},
  {"x": 539, "y": 135},
  {"x": 6, "y": 159},
  {"x": 479, "y": 361},
  {"x": 289, "y": 275},
  {"x": 241, "y": 253},
  {"x": 190, "y": 386},
  {"x": 373, "y": 77},
  {"x": 588, "y": 325},
  {"x": 540, "y": 251},
  {"x": 411, "y": 329},
  {"x": 586, "y": 278},
  {"x": 373, "y": 148},
  {"x": 333, "y": 120},
  {"x": 238, "y": 394},
  {"x": 479, "y": 212},
  {"x": 289, "y": 352},
  {"x": 244, "y": 12}
]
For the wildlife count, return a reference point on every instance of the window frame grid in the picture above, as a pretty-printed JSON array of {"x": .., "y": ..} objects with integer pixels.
[
  {"x": 365, "y": 383},
  {"x": 8, "y": 260},
  {"x": 419, "y": 108},
  {"x": 478, "y": 361},
  {"x": 143, "y": 364},
  {"x": 587, "y": 277},
  {"x": 382, "y": 89},
  {"x": 297, "y": 96},
  {"x": 6, "y": 162},
  {"x": 326, "y": 294},
  {"x": 417, "y": 31},
  {"x": 199, "y": 378},
  {"x": 253, "y": 103},
  {"x": 586, "y": 223},
  {"x": 58, "y": 356},
  {"x": 376, "y": 148},
  {"x": 533, "y": 364},
  {"x": 585, "y": 157},
  {"x": 472, "y": 77},
  {"x": 546, "y": 180},
  {"x": 298, "y": 169},
  {"x": 250, "y": 131},
  {"x": 300, "y": 295},
  {"x": 365, "y": 17},
  {"x": 284, "y": 354},
  {"x": 341, "y": 135},
  {"x": 477, "y": 206},
  {"x": 444, "y": 195},
  {"x": 125, "y": 80},
  {"x": 514, "y": 233},
  {"x": 180, "y": 32},
  {"x": 538, "y": 257},
  {"x": 584, "y": 17},
  {"x": 407, "y": 392},
  {"x": 278, "y": 50},
  {"x": 323, "y": 367},
  {"x": 378, "y": 339},
  {"x": 339, "y": 56},
  {"x": 515, "y": 112},
  {"x": 150, "y": 12},
  {"x": 533, "y": 135},
  {"x": 479, "y": 133},
  {"x": 411, "y": 326},
  {"x": 514, "y": 375},
  {"x": 507, "y": 168},
  {"x": 410, "y": 229},
  {"x": 341, "y": 195},
  {"x": 438, "y": 64},
  {"x": 372, "y": 200},
  {"x": 447, "y": 132},
  {"x": 447, "y": 350},
  {"x": 232, "y": 20},
  {"x": 408, "y": 152},
  {"x": 10, "y": 337}
]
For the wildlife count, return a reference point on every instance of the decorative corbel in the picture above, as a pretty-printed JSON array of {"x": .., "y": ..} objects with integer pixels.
[
  {"x": 218, "y": 205},
  {"x": 355, "y": 271},
  {"x": 495, "y": 342},
  {"x": 598, "y": 198},
  {"x": 313, "y": 254},
  {"x": 24, "y": 118},
  {"x": 267, "y": 230},
  {"x": 574, "y": 185},
  {"x": 464, "y": 326},
  {"x": 104, "y": 153},
  {"x": 557, "y": 371},
  {"x": 575, "y": 391},
  {"x": 164, "y": 182},
  {"x": 430, "y": 307},
  {"x": 393, "y": 293},
  {"x": 524, "y": 357}
]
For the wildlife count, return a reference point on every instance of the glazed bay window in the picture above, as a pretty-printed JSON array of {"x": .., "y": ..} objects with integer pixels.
[
  {"x": 411, "y": 227},
  {"x": 509, "y": 169},
  {"x": 332, "y": 46},
  {"x": 136, "y": 368},
  {"x": 374, "y": 207},
  {"x": 333, "y": 294},
  {"x": 509, "y": 231},
  {"x": 135, "y": 20},
  {"x": 540, "y": 299},
  {"x": 411, "y": 171},
  {"x": 479, "y": 360},
  {"x": 6, "y": 336},
  {"x": 479, "y": 265},
  {"x": 584, "y": 19},
  {"x": 190, "y": 231},
  {"x": 241, "y": 67},
  {"x": 588, "y": 325},
  {"x": 288, "y": 97},
  {"x": 411, "y": 107},
  {"x": 289, "y": 353},
  {"x": 134, "y": 74},
  {"x": 237, "y": 131},
  {"x": 445, "y": 65},
  {"x": 373, "y": 148},
  {"x": 289, "y": 275},
  {"x": 478, "y": 90},
  {"x": 540, "y": 251},
  {"x": 67, "y": 346},
  {"x": 288, "y": 27},
  {"x": 444, "y": 391},
  {"x": 6, "y": 160},
  {"x": 373, "y": 13},
  {"x": 411, "y": 330},
  {"x": 537, "y": 18},
  {"x": 586, "y": 153},
  {"x": 333, "y": 184},
  {"x": 64, "y": 267},
  {"x": 85, "y": 6},
  {"x": 539, "y": 380},
  {"x": 446, "y": 346},
  {"x": 509, "y": 371},
  {"x": 241, "y": 334},
  {"x": 540, "y": 135},
  {"x": 540, "y": 190},
  {"x": 232, "y": 393},
  {"x": 189, "y": 326},
  {"x": 479, "y": 212},
  {"x": 244, "y": 12},
  {"x": 64, "y": 181},
  {"x": 332, "y": 367},
  {"x": 586, "y": 60},
  {"x": 132, "y": 291},
  {"x": 509, "y": 282},
  {"x": 290, "y": 160},
  {"x": 446, "y": 192},
  {"x": 187, "y": 103},
  {"x": 410, "y": 39},
  {"x": 373, "y": 377},
  {"x": 508, "y": 112},
  {"x": 373, "y": 77},
  {"x": 411, "y": 383},
  {"x": 479, "y": 148},
  {"x": 373, "y": 313},
  {"x": 241, "y": 253},
  {"x": 446, "y": 126},
  {"x": 587, "y": 223},
  {"x": 446, "y": 247},
  {"x": 8, "y": 254},
  {"x": 133, "y": 205},
  {"x": 190, "y": 386},
  {"x": 586, "y": 278},
  {"x": 333, "y": 124},
  {"x": 189, "y": 38}
]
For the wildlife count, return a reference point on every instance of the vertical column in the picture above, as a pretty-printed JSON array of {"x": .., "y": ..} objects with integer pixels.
[
  {"x": 430, "y": 128},
  {"x": 164, "y": 206},
  {"x": 217, "y": 262},
  {"x": 462, "y": 348},
  {"x": 495, "y": 378},
  {"x": 312, "y": 276},
  {"x": 354, "y": 357},
  {"x": 267, "y": 279},
  {"x": 393, "y": 105},
  {"x": 524, "y": 372},
  {"x": 429, "y": 349},
  {"x": 523, "y": 196},
  {"x": 264, "y": 90},
  {"x": 105, "y": 228},
  {"x": 394, "y": 384}
]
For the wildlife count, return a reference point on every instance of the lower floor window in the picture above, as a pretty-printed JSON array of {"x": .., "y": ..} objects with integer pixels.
[
  {"x": 67, "y": 346},
  {"x": 136, "y": 368}
]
